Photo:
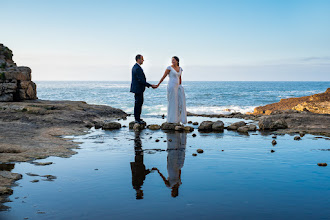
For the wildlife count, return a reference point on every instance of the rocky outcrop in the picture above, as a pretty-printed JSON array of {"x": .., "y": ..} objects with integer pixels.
[
  {"x": 15, "y": 81},
  {"x": 318, "y": 103},
  {"x": 292, "y": 121}
]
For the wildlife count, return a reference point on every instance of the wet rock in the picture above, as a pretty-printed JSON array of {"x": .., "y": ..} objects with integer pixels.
[
  {"x": 157, "y": 140},
  {"x": 236, "y": 125},
  {"x": 267, "y": 123},
  {"x": 34, "y": 181},
  {"x": 10, "y": 175},
  {"x": 189, "y": 122},
  {"x": 111, "y": 125},
  {"x": 164, "y": 140},
  {"x": 243, "y": 129},
  {"x": 124, "y": 126},
  {"x": 163, "y": 116},
  {"x": 297, "y": 138},
  {"x": 169, "y": 126},
  {"x": 98, "y": 125},
  {"x": 138, "y": 127},
  {"x": 272, "y": 151},
  {"x": 195, "y": 123},
  {"x": 322, "y": 164},
  {"x": 274, "y": 142},
  {"x": 252, "y": 127},
  {"x": 153, "y": 127},
  {"x": 5, "y": 190},
  {"x": 194, "y": 154},
  {"x": 89, "y": 125},
  {"x": 200, "y": 151},
  {"x": 51, "y": 177},
  {"x": 222, "y": 150},
  {"x": 218, "y": 126},
  {"x": 42, "y": 163},
  {"x": 132, "y": 123},
  {"x": 169, "y": 140},
  {"x": 189, "y": 129},
  {"x": 194, "y": 135},
  {"x": 274, "y": 136},
  {"x": 206, "y": 126},
  {"x": 32, "y": 174},
  {"x": 301, "y": 134},
  {"x": 179, "y": 128}
]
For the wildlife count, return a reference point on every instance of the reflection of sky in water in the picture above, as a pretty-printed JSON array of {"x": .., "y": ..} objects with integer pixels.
[
  {"x": 243, "y": 181},
  {"x": 202, "y": 97}
]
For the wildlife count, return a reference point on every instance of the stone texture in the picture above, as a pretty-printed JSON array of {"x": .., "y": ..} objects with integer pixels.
[
  {"x": 169, "y": 126},
  {"x": 154, "y": 127},
  {"x": 206, "y": 126},
  {"x": 317, "y": 103},
  {"x": 111, "y": 125},
  {"x": 236, "y": 125},
  {"x": 218, "y": 126},
  {"x": 15, "y": 82},
  {"x": 267, "y": 123}
]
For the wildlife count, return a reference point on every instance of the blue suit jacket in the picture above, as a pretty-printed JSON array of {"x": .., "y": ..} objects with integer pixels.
[{"x": 139, "y": 82}]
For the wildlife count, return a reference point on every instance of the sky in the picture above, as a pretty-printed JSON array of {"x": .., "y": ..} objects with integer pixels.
[{"x": 222, "y": 40}]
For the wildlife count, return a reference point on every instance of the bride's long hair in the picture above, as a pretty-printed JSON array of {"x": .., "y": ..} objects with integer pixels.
[{"x": 177, "y": 59}]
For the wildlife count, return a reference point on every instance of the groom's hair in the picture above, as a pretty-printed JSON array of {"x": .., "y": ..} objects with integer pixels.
[{"x": 138, "y": 57}]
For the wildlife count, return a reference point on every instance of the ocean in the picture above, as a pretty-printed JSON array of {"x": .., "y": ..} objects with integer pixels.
[{"x": 201, "y": 97}]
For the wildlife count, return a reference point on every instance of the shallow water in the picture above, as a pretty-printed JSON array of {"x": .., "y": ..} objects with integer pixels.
[{"x": 111, "y": 177}]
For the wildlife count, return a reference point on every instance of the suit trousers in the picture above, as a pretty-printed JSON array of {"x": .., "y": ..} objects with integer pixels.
[{"x": 138, "y": 106}]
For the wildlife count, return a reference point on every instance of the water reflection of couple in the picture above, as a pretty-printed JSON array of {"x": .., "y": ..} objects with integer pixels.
[{"x": 175, "y": 160}]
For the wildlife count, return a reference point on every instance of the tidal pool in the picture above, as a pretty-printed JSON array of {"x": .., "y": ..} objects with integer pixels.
[{"x": 124, "y": 174}]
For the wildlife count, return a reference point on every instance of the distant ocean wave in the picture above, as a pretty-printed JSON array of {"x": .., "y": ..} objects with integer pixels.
[{"x": 201, "y": 97}]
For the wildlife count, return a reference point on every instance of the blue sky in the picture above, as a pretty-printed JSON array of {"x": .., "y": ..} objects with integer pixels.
[{"x": 215, "y": 40}]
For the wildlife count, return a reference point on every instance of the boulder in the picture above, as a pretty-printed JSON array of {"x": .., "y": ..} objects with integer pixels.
[
  {"x": 111, "y": 125},
  {"x": 218, "y": 126},
  {"x": 252, "y": 127},
  {"x": 243, "y": 129},
  {"x": 179, "y": 128},
  {"x": 236, "y": 125},
  {"x": 266, "y": 123},
  {"x": 153, "y": 127},
  {"x": 132, "y": 123},
  {"x": 206, "y": 126},
  {"x": 189, "y": 129},
  {"x": 169, "y": 126}
]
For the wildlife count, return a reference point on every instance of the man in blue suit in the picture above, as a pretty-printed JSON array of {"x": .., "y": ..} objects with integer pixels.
[{"x": 138, "y": 85}]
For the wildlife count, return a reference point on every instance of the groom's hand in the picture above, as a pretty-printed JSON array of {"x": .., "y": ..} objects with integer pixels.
[{"x": 154, "y": 86}]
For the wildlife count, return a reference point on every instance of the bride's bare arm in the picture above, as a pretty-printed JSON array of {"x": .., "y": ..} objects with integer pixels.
[
  {"x": 164, "y": 76},
  {"x": 180, "y": 80}
]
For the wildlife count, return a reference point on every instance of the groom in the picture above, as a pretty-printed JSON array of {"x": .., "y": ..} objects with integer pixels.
[{"x": 138, "y": 86}]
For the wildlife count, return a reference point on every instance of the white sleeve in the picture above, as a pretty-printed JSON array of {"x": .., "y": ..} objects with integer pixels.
[{"x": 168, "y": 68}]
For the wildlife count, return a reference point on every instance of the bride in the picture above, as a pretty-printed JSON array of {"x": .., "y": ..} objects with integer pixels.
[{"x": 176, "y": 100}]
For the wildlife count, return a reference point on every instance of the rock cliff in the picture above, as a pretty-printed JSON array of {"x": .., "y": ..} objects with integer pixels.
[
  {"x": 15, "y": 81},
  {"x": 317, "y": 103}
]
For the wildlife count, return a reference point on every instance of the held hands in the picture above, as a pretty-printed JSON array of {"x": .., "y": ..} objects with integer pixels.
[{"x": 154, "y": 86}]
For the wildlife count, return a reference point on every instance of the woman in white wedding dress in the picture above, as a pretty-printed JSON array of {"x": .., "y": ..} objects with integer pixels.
[{"x": 176, "y": 100}]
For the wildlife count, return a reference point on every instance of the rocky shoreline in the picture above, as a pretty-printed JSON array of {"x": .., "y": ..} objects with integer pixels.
[{"x": 32, "y": 129}]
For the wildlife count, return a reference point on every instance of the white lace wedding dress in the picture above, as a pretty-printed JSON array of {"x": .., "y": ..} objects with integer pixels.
[{"x": 176, "y": 105}]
